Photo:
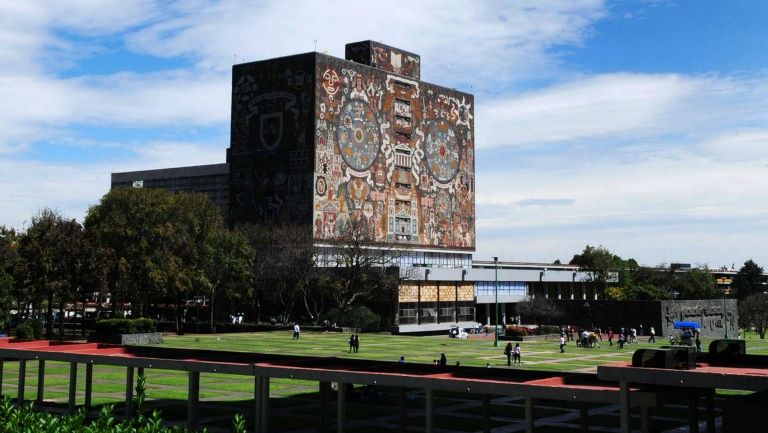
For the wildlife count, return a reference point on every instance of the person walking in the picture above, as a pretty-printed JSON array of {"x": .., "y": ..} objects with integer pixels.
[
  {"x": 610, "y": 337},
  {"x": 516, "y": 355},
  {"x": 634, "y": 336},
  {"x": 621, "y": 341},
  {"x": 351, "y": 342},
  {"x": 562, "y": 344},
  {"x": 356, "y": 345},
  {"x": 508, "y": 352},
  {"x": 443, "y": 360},
  {"x": 698, "y": 342},
  {"x": 296, "y": 331},
  {"x": 653, "y": 335}
]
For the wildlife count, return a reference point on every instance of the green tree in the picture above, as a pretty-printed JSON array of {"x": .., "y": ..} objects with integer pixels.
[
  {"x": 749, "y": 280},
  {"x": 157, "y": 245},
  {"x": 51, "y": 253},
  {"x": 539, "y": 311},
  {"x": 356, "y": 269},
  {"x": 227, "y": 267},
  {"x": 9, "y": 261},
  {"x": 603, "y": 266},
  {"x": 753, "y": 312}
]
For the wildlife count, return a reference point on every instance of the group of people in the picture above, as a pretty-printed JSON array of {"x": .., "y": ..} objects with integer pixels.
[
  {"x": 513, "y": 354},
  {"x": 593, "y": 337},
  {"x": 354, "y": 343}
]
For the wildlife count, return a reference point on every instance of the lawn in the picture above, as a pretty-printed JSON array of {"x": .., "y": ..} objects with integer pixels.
[{"x": 295, "y": 401}]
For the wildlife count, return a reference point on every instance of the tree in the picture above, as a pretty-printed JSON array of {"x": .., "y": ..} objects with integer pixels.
[
  {"x": 51, "y": 252},
  {"x": 601, "y": 266},
  {"x": 356, "y": 268},
  {"x": 753, "y": 312},
  {"x": 283, "y": 266},
  {"x": 227, "y": 267},
  {"x": 158, "y": 245},
  {"x": 749, "y": 280},
  {"x": 9, "y": 260},
  {"x": 539, "y": 310}
]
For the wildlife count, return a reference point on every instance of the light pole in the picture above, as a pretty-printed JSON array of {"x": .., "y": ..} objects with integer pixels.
[
  {"x": 496, "y": 300},
  {"x": 725, "y": 317}
]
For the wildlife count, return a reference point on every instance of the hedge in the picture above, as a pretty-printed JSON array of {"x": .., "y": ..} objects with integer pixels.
[
  {"x": 30, "y": 330},
  {"x": 125, "y": 326}
]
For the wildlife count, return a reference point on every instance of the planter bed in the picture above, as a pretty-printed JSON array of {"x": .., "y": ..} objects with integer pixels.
[{"x": 136, "y": 339}]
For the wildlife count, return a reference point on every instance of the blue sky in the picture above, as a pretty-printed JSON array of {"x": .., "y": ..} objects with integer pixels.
[{"x": 641, "y": 126}]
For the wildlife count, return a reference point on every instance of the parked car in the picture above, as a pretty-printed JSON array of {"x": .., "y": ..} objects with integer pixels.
[{"x": 457, "y": 332}]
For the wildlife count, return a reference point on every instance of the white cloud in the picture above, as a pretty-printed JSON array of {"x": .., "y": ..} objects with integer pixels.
[
  {"x": 29, "y": 185},
  {"x": 479, "y": 43},
  {"x": 660, "y": 166}
]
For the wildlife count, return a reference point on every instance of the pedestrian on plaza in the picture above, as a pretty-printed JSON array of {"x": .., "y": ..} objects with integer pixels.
[
  {"x": 516, "y": 355},
  {"x": 351, "y": 343},
  {"x": 443, "y": 360},
  {"x": 562, "y": 344},
  {"x": 508, "y": 352},
  {"x": 653, "y": 336},
  {"x": 296, "y": 331},
  {"x": 610, "y": 337},
  {"x": 698, "y": 342},
  {"x": 356, "y": 345}
]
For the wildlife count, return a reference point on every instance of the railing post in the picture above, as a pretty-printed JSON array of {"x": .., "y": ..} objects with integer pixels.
[
  {"x": 429, "y": 411},
  {"x": 529, "y": 415},
  {"x": 193, "y": 399},
  {"x": 624, "y": 407},
  {"x": 22, "y": 381},
  {"x": 40, "y": 381},
  {"x": 340, "y": 407},
  {"x": 88, "y": 384},
  {"x": 72, "y": 386},
  {"x": 129, "y": 392}
]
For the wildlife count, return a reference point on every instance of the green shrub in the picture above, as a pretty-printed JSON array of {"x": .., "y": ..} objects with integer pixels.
[
  {"x": 547, "y": 329},
  {"x": 125, "y": 326},
  {"x": 30, "y": 329},
  {"x": 145, "y": 325},
  {"x": 115, "y": 326},
  {"x": 360, "y": 317}
]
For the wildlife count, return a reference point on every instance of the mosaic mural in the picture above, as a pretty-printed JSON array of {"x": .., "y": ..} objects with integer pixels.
[
  {"x": 384, "y": 57},
  {"x": 395, "y": 152},
  {"x": 270, "y": 154}
]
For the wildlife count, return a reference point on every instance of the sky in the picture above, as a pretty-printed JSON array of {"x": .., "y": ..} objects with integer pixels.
[{"x": 641, "y": 126}]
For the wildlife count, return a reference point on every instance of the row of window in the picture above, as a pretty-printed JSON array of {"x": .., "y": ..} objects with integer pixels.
[
  {"x": 448, "y": 260},
  {"x": 488, "y": 288}
]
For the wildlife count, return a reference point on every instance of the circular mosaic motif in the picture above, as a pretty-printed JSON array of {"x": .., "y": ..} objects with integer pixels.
[
  {"x": 441, "y": 149},
  {"x": 358, "y": 135}
]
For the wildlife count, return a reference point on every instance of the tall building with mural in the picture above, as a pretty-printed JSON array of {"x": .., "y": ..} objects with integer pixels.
[
  {"x": 318, "y": 140},
  {"x": 321, "y": 142}
]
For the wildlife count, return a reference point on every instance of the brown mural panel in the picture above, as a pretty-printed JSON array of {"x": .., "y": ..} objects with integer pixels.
[{"x": 394, "y": 152}]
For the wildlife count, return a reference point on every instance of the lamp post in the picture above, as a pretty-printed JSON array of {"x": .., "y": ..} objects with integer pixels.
[
  {"x": 725, "y": 317},
  {"x": 496, "y": 301}
]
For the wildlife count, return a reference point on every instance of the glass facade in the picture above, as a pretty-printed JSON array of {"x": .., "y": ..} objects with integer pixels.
[
  {"x": 515, "y": 288},
  {"x": 411, "y": 259}
]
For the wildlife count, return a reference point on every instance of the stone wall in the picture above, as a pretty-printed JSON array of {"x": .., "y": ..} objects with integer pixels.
[
  {"x": 713, "y": 316},
  {"x": 134, "y": 339}
]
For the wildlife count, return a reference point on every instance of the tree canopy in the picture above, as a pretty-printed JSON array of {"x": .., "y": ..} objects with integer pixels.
[{"x": 749, "y": 280}]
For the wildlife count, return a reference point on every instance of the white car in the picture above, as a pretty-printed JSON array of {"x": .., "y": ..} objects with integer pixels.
[{"x": 456, "y": 332}]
